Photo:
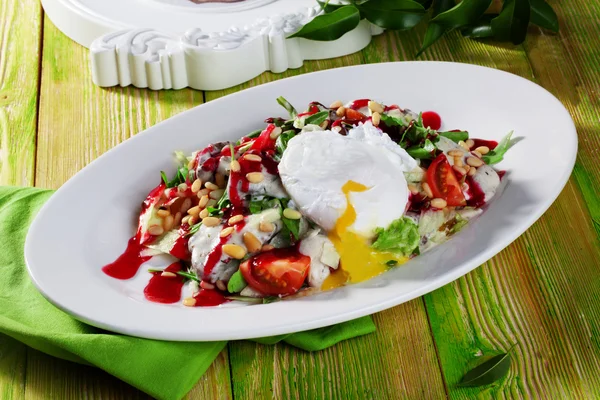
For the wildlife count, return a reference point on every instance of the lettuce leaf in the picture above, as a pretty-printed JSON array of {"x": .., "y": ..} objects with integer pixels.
[
  {"x": 401, "y": 237},
  {"x": 497, "y": 155}
]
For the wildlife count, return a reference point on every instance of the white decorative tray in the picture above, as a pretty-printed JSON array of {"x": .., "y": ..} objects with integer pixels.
[{"x": 172, "y": 44}]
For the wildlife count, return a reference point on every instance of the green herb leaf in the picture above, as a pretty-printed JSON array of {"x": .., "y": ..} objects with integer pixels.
[
  {"x": 259, "y": 204},
  {"x": 434, "y": 30},
  {"x": 282, "y": 142},
  {"x": 466, "y": 12},
  {"x": 194, "y": 229},
  {"x": 213, "y": 211},
  {"x": 236, "y": 282},
  {"x": 254, "y": 134},
  {"x": 153, "y": 270},
  {"x": 455, "y": 136},
  {"x": 490, "y": 371},
  {"x": 188, "y": 276},
  {"x": 293, "y": 225},
  {"x": 223, "y": 201},
  {"x": 245, "y": 299},
  {"x": 317, "y": 118},
  {"x": 270, "y": 299},
  {"x": 423, "y": 152},
  {"x": 497, "y": 155},
  {"x": 289, "y": 108},
  {"x": 511, "y": 24},
  {"x": 164, "y": 177},
  {"x": 543, "y": 15},
  {"x": 401, "y": 237},
  {"x": 393, "y": 14},
  {"x": 330, "y": 26},
  {"x": 459, "y": 223}
]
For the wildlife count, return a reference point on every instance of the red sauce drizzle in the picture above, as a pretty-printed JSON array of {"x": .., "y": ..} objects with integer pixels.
[
  {"x": 491, "y": 144},
  {"x": 209, "y": 298},
  {"x": 358, "y": 104},
  {"x": 128, "y": 263},
  {"x": 163, "y": 289},
  {"x": 215, "y": 255},
  {"x": 180, "y": 247},
  {"x": 312, "y": 109},
  {"x": 501, "y": 174},
  {"x": 432, "y": 120},
  {"x": 477, "y": 196}
]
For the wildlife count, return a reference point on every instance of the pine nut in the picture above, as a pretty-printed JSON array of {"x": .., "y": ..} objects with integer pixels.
[
  {"x": 203, "y": 214},
  {"x": 460, "y": 170},
  {"x": 470, "y": 143},
  {"x": 186, "y": 219},
  {"x": 193, "y": 220},
  {"x": 267, "y": 247},
  {"x": 211, "y": 221},
  {"x": 211, "y": 203},
  {"x": 221, "y": 286},
  {"x": 185, "y": 206},
  {"x": 168, "y": 274},
  {"x": 253, "y": 157},
  {"x": 235, "y": 166},
  {"x": 413, "y": 189},
  {"x": 266, "y": 226},
  {"x": 291, "y": 214},
  {"x": 207, "y": 285},
  {"x": 474, "y": 162},
  {"x": 463, "y": 145},
  {"x": 324, "y": 124},
  {"x": 336, "y": 104},
  {"x": 211, "y": 186},
  {"x": 472, "y": 171},
  {"x": 255, "y": 177},
  {"x": 340, "y": 112},
  {"x": 252, "y": 243},
  {"x": 177, "y": 219},
  {"x": 376, "y": 118},
  {"x": 226, "y": 232},
  {"x": 476, "y": 154},
  {"x": 336, "y": 129},
  {"x": 275, "y": 133},
  {"x": 438, "y": 203},
  {"x": 456, "y": 153},
  {"x": 220, "y": 180},
  {"x": 156, "y": 230},
  {"x": 375, "y": 107},
  {"x": 427, "y": 190},
  {"x": 235, "y": 219},
  {"x": 191, "y": 164},
  {"x": 196, "y": 186},
  {"x": 458, "y": 161},
  {"x": 216, "y": 194},
  {"x": 203, "y": 201},
  {"x": 182, "y": 187},
  {"x": 168, "y": 223},
  {"x": 163, "y": 213},
  {"x": 189, "y": 302},
  {"x": 234, "y": 251},
  {"x": 203, "y": 192},
  {"x": 483, "y": 150}
]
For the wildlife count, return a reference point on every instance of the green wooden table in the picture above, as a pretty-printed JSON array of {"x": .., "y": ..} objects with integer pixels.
[{"x": 541, "y": 294}]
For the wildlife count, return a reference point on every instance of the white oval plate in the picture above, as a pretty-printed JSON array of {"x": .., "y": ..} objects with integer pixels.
[{"x": 87, "y": 223}]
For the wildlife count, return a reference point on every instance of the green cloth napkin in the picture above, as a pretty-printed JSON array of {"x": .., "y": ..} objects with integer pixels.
[{"x": 28, "y": 317}]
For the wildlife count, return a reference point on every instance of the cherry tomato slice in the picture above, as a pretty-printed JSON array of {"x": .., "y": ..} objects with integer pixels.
[
  {"x": 276, "y": 272},
  {"x": 443, "y": 182}
]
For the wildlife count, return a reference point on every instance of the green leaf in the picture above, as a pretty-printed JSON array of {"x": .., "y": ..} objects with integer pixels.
[
  {"x": 490, "y": 371},
  {"x": 481, "y": 29},
  {"x": 188, "y": 276},
  {"x": 293, "y": 225},
  {"x": 270, "y": 299},
  {"x": 423, "y": 152},
  {"x": 401, "y": 237},
  {"x": 194, "y": 229},
  {"x": 164, "y": 177},
  {"x": 511, "y": 24},
  {"x": 236, "y": 282},
  {"x": 289, "y": 108},
  {"x": 455, "y": 136},
  {"x": 258, "y": 205},
  {"x": 282, "y": 142},
  {"x": 543, "y": 15},
  {"x": 464, "y": 13},
  {"x": 325, "y": 5},
  {"x": 393, "y": 14},
  {"x": 245, "y": 299},
  {"x": 435, "y": 31},
  {"x": 223, "y": 201},
  {"x": 316, "y": 118},
  {"x": 330, "y": 26},
  {"x": 497, "y": 155},
  {"x": 459, "y": 223},
  {"x": 254, "y": 134}
]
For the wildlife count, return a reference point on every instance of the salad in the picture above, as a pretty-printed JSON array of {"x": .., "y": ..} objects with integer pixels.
[{"x": 320, "y": 199}]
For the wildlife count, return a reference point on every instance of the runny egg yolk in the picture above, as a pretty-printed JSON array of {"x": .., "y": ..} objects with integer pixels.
[{"x": 358, "y": 261}]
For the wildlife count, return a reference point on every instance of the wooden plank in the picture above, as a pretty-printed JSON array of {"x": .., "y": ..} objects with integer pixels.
[
  {"x": 541, "y": 293},
  {"x": 352, "y": 369},
  {"x": 78, "y": 122},
  {"x": 19, "y": 76}
]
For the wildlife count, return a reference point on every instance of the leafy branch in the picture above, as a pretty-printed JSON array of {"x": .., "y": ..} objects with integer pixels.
[{"x": 473, "y": 18}]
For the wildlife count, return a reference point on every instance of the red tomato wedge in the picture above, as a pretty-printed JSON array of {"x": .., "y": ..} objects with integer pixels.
[
  {"x": 276, "y": 272},
  {"x": 443, "y": 182}
]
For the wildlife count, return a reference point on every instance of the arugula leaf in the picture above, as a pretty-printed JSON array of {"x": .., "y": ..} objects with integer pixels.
[
  {"x": 164, "y": 177},
  {"x": 424, "y": 151},
  {"x": 330, "y": 26},
  {"x": 223, "y": 201},
  {"x": 246, "y": 299},
  {"x": 270, "y": 299},
  {"x": 282, "y": 142},
  {"x": 317, "y": 118},
  {"x": 180, "y": 177},
  {"x": 194, "y": 229},
  {"x": 512, "y": 22},
  {"x": 254, "y": 134},
  {"x": 236, "y": 283},
  {"x": 258, "y": 205},
  {"x": 213, "y": 211},
  {"x": 188, "y": 276},
  {"x": 401, "y": 237},
  {"x": 455, "y": 136},
  {"x": 497, "y": 155},
  {"x": 293, "y": 226},
  {"x": 289, "y": 108}
]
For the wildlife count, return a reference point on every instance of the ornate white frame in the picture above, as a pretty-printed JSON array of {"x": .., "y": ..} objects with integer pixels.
[{"x": 147, "y": 58}]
